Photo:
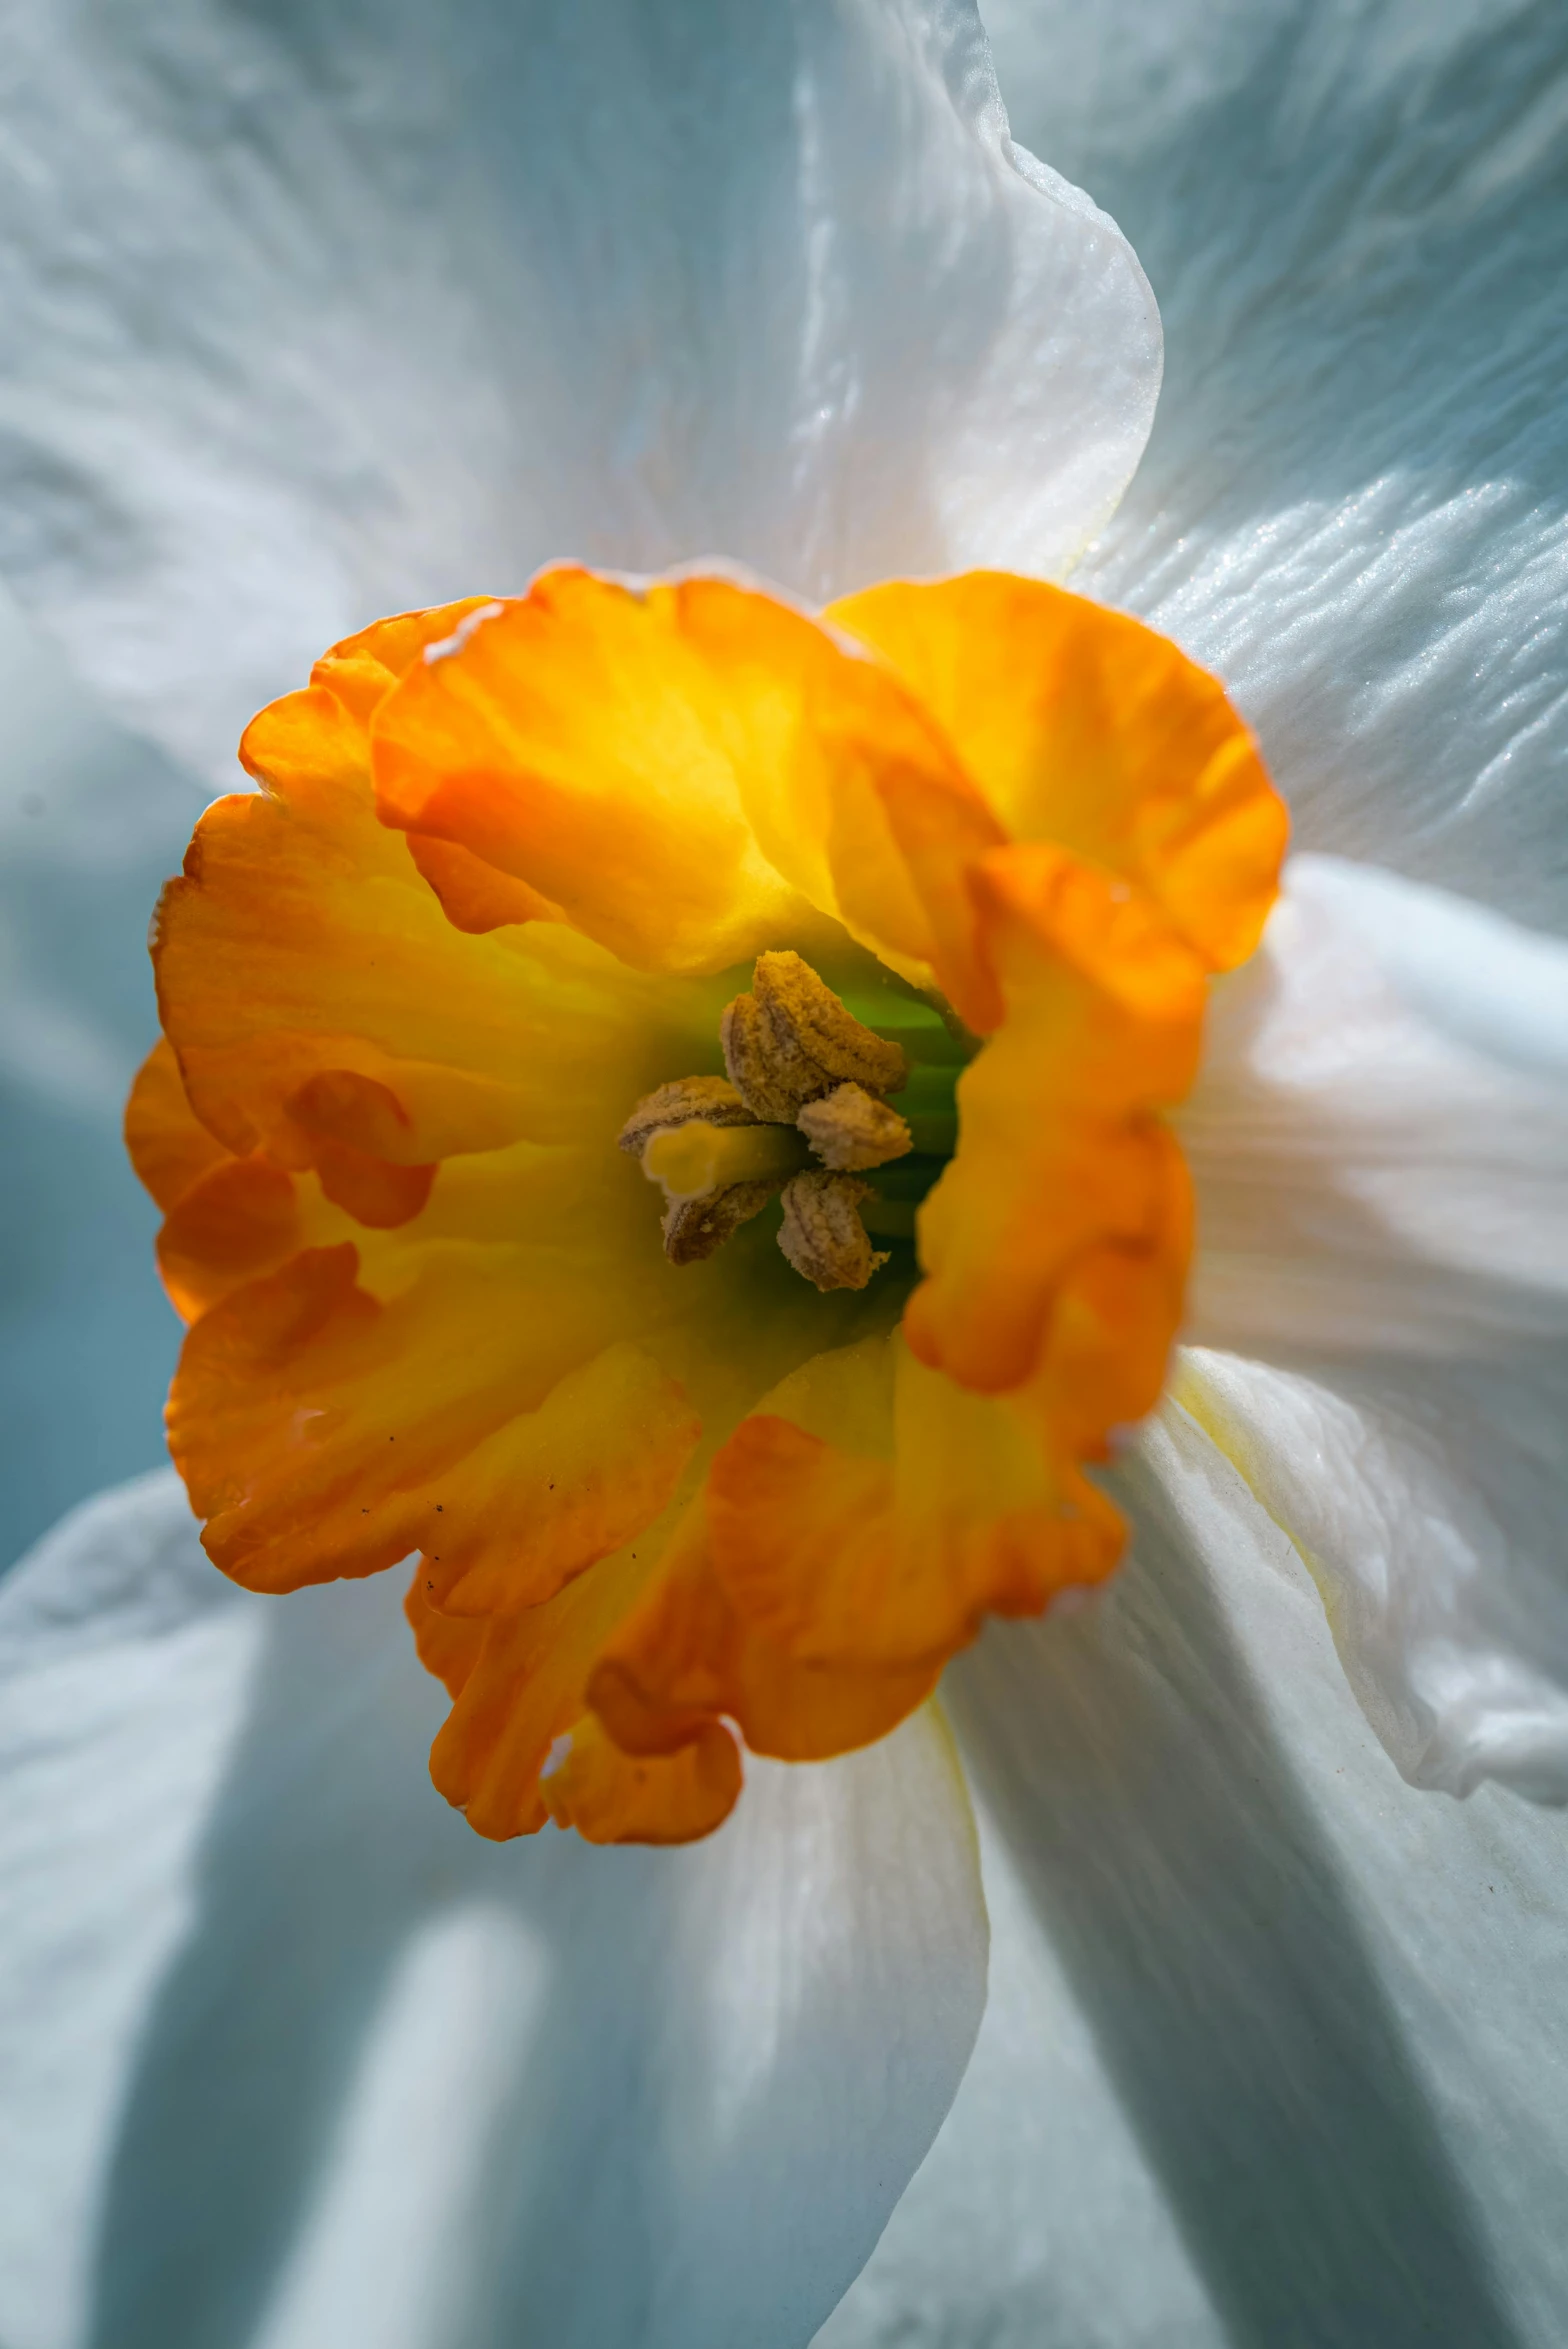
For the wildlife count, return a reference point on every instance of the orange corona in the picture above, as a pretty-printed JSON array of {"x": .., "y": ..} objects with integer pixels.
[{"x": 661, "y": 1115}]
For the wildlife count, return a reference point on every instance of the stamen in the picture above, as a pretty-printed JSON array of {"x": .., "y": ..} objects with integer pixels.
[
  {"x": 695, "y": 1228},
  {"x": 803, "y": 1071},
  {"x": 822, "y": 1234},
  {"x": 774, "y": 1084},
  {"x": 850, "y": 1127},
  {"x": 791, "y": 1040}
]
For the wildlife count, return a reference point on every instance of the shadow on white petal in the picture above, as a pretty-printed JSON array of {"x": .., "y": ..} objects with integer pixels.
[
  {"x": 384, "y": 2255},
  {"x": 1180, "y": 1868},
  {"x": 91, "y": 823},
  {"x": 374, "y": 2079}
]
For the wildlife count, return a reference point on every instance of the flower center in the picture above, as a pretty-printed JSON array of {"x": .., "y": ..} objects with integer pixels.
[{"x": 802, "y": 1114}]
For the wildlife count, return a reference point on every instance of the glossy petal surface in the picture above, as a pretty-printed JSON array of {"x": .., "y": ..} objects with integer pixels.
[
  {"x": 1352, "y": 507},
  {"x": 365, "y": 308}
]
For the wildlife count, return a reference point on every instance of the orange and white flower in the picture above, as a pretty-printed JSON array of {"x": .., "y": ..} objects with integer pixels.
[
  {"x": 509, "y": 875},
  {"x": 999, "y": 870}
]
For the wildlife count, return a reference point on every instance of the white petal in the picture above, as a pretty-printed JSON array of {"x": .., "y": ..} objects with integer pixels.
[
  {"x": 307, "y": 319},
  {"x": 1379, "y": 1136},
  {"x": 1277, "y": 2050},
  {"x": 292, "y": 2056},
  {"x": 1037, "y": 2221},
  {"x": 1352, "y": 507},
  {"x": 1429, "y": 1500},
  {"x": 91, "y": 822},
  {"x": 1380, "y": 1145}
]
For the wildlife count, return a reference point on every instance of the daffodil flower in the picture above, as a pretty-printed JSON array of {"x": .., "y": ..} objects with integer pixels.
[
  {"x": 698, "y": 1100},
  {"x": 477, "y": 961}
]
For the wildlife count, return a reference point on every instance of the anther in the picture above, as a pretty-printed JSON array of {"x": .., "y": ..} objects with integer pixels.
[
  {"x": 791, "y": 1040},
  {"x": 695, "y": 1228},
  {"x": 822, "y": 1234},
  {"x": 850, "y": 1127}
]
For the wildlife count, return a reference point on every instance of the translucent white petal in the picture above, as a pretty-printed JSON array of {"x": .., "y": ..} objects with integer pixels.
[
  {"x": 1430, "y": 1501},
  {"x": 1380, "y": 1144},
  {"x": 1277, "y": 2051},
  {"x": 292, "y": 2057},
  {"x": 1353, "y": 506},
  {"x": 318, "y": 312},
  {"x": 1379, "y": 1135}
]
